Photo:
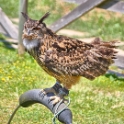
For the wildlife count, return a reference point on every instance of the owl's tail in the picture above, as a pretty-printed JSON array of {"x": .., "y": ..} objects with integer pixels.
[
  {"x": 101, "y": 57},
  {"x": 106, "y": 49}
]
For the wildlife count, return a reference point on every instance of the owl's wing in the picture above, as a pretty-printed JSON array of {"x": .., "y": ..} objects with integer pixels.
[{"x": 74, "y": 57}]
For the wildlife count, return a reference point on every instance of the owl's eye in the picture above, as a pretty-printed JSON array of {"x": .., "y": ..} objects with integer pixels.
[
  {"x": 36, "y": 28},
  {"x": 25, "y": 26}
]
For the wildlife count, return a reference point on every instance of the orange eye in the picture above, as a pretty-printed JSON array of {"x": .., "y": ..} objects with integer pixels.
[
  {"x": 36, "y": 28},
  {"x": 24, "y": 26}
]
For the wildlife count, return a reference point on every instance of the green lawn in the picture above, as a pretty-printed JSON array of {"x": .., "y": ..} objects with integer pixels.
[{"x": 92, "y": 102}]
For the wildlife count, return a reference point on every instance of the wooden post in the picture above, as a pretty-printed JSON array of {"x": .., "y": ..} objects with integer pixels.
[
  {"x": 23, "y": 8},
  {"x": 7, "y": 27}
]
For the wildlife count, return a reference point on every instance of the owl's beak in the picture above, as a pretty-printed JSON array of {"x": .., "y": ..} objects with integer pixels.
[{"x": 29, "y": 31}]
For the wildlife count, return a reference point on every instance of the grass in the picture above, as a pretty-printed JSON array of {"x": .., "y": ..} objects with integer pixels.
[
  {"x": 107, "y": 29},
  {"x": 92, "y": 102}
]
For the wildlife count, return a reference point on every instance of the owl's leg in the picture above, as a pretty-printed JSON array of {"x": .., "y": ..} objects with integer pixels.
[
  {"x": 54, "y": 89},
  {"x": 60, "y": 96}
]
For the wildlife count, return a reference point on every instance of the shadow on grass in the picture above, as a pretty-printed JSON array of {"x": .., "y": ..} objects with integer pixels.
[
  {"x": 4, "y": 43},
  {"x": 115, "y": 77}
]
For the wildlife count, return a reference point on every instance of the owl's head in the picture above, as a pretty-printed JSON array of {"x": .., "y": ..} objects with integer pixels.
[{"x": 34, "y": 28}]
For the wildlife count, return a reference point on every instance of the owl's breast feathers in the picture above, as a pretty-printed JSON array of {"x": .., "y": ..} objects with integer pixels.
[{"x": 60, "y": 55}]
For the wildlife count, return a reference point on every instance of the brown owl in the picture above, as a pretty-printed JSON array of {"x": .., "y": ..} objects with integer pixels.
[{"x": 66, "y": 59}]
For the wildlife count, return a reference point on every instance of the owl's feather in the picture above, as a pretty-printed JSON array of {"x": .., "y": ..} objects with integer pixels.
[{"x": 65, "y": 58}]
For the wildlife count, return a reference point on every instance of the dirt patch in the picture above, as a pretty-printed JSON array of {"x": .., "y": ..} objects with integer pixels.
[{"x": 70, "y": 33}]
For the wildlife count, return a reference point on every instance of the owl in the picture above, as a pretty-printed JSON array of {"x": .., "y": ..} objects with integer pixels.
[{"x": 65, "y": 58}]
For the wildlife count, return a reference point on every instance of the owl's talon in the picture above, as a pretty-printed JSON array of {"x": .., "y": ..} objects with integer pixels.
[
  {"x": 45, "y": 91},
  {"x": 60, "y": 96},
  {"x": 42, "y": 93},
  {"x": 56, "y": 99},
  {"x": 54, "y": 89}
]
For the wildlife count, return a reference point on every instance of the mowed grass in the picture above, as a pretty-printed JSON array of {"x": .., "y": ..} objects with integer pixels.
[{"x": 92, "y": 102}]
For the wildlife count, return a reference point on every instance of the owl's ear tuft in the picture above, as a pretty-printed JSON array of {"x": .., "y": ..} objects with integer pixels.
[
  {"x": 44, "y": 17},
  {"x": 25, "y": 16}
]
